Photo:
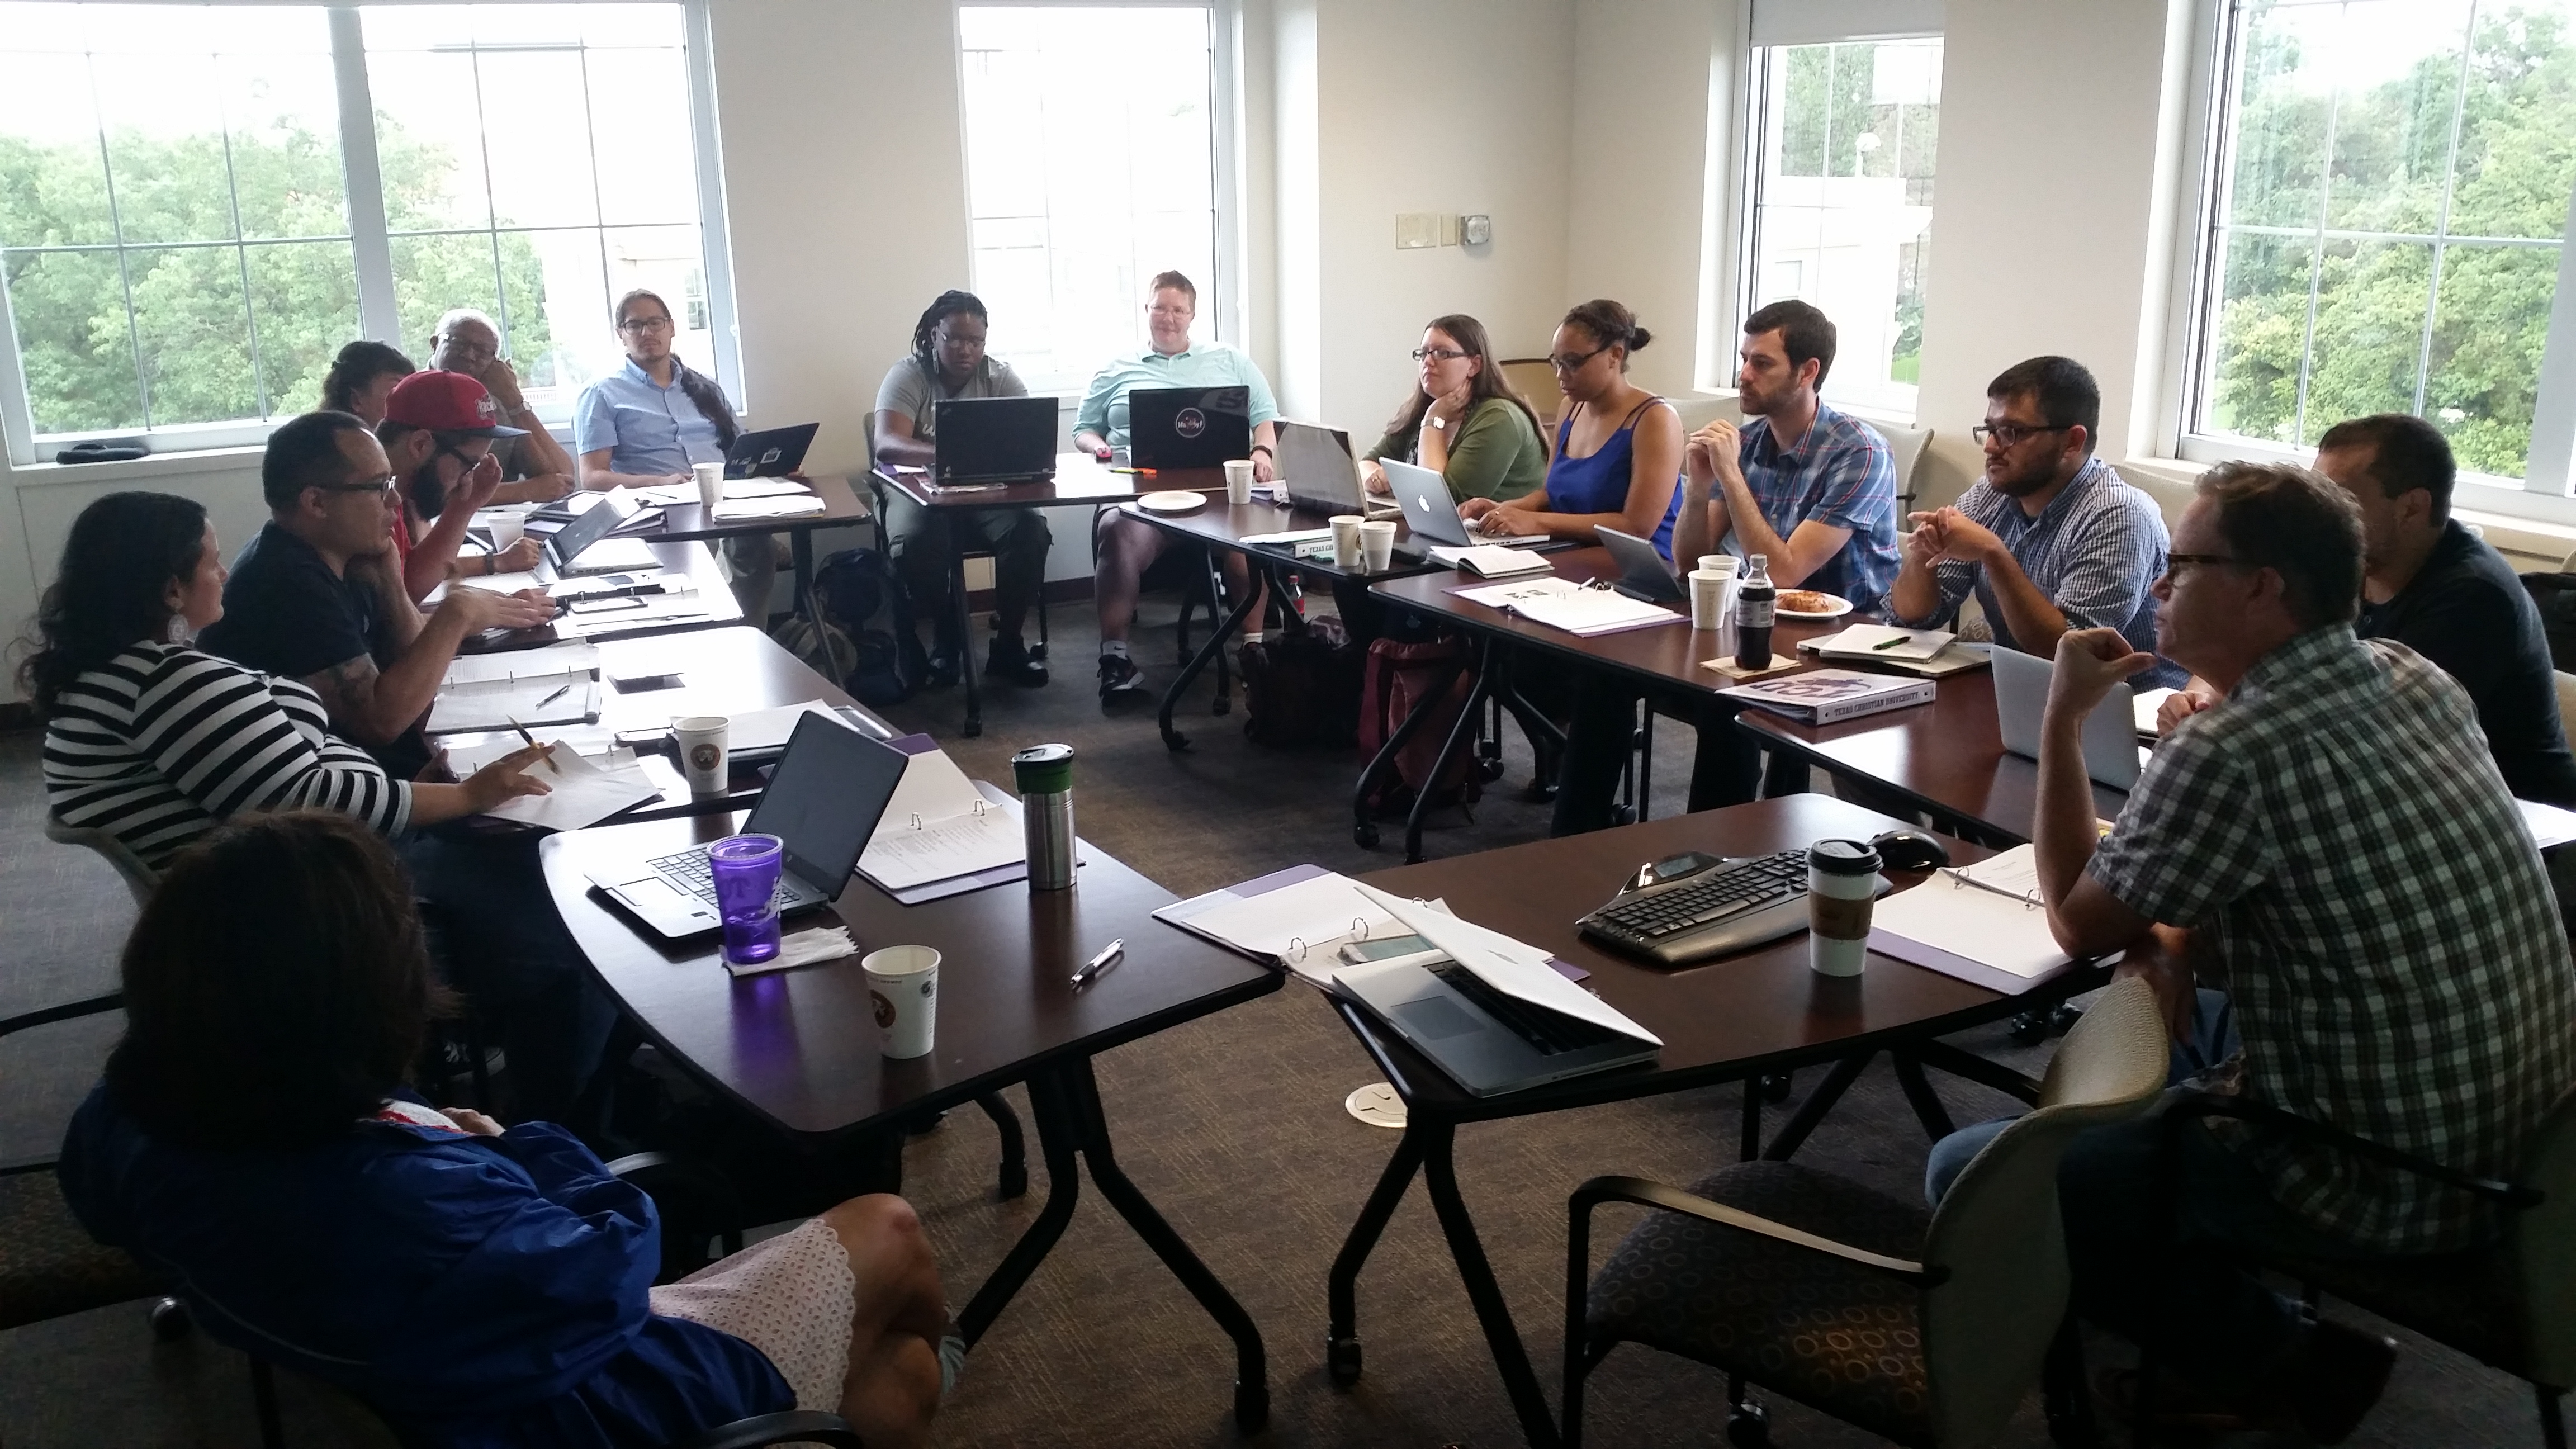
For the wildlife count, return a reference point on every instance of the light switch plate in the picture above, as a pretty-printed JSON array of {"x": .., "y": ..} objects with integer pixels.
[{"x": 1476, "y": 231}]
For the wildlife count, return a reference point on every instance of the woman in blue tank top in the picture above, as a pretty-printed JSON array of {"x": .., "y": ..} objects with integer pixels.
[{"x": 1618, "y": 460}]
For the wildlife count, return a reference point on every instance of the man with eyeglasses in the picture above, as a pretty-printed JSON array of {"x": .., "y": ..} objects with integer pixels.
[
  {"x": 318, "y": 595},
  {"x": 534, "y": 467},
  {"x": 2050, "y": 538},
  {"x": 441, "y": 433},
  {"x": 2332, "y": 837},
  {"x": 1127, "y": 546}
]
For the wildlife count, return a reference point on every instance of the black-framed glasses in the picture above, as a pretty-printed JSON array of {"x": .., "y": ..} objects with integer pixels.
[
  {"x": 2175, "y": 563},
  {"x": 1569, "y": 361},
  {"x": 1438, "y": 354},
  {"x": 2012, "y": 434},
  {"x": 645, "y": 324},
  {"x": 382, "y": 485}
]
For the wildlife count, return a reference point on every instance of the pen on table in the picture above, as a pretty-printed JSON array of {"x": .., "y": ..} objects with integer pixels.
[
  {"x": 1131, "y": 470},
  {"x": 1107, "y": 958},
  {"x": 1892, "y": 643},
  {"x": 560, "y": 692},
  {"x": 549, "y": 756}
]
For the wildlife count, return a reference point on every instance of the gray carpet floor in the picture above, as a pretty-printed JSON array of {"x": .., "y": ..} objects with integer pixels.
[{"x": 1233, "y": 1125}]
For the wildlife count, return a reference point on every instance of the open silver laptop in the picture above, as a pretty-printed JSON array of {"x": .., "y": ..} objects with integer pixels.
[
  {"x": 1433, "y": 515},
  {"x": 1495, "y": 1016},
  {"x": 1643, "y": 572},
  {"x": 2112, "y": 755},
  {"x": 823, "y": 802}
]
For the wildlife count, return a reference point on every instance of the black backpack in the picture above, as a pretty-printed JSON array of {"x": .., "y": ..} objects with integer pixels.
[{"x": 859, "y": 594}]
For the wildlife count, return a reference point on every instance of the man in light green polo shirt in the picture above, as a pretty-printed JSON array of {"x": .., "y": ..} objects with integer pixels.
[{"x": 1126, "y": 544}]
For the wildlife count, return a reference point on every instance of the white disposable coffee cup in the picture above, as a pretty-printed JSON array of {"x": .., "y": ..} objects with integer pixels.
[
  {"x": 1346, "y": 539},
  {"x": 710, "y": 478},
  {"x": 1842, "y": 883},
  {"x": 701, "y": 741},
  {"x": 1377, "y": 544},
  {"x": 507, "y": 528},
  {"x": 903, "y": 991},
  {"x": 1719, "y": 563},
  {"x": 1238, "y": 480},
  {"x": 1708, "y": 598}
]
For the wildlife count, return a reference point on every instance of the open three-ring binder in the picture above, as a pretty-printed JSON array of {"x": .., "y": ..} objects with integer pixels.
[{"x": 1984, "y": 923}]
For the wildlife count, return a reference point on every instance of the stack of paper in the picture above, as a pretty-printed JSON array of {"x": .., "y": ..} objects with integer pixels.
[
  {"x": 650, "y": 610},
  {"x": 583, "y": 792},
  {"x": 937, "y": 827},
  {"x": 563, "y": 697},
  {"x": 578, "y": 657},
  {"x": 1983, "y": 923},
  {"x": 734, "y": 510},
  {"x": 1575, "y": 608},
  {"x": 1878, "y": 641},
  {"x": 597, "y": 742}
]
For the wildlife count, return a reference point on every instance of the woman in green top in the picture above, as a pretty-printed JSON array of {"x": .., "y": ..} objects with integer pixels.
[{"x": 1463, "y": 420}]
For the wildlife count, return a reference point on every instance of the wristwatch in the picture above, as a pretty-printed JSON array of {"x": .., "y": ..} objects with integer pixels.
[{"x": 1435, "y": 420}]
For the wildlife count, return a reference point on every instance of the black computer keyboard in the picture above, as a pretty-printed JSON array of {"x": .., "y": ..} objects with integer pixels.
[
  {"x": 690, "y": 871},
  {"x": 1731, "y": 906},
  {"x": 1546, "y": 1030}
]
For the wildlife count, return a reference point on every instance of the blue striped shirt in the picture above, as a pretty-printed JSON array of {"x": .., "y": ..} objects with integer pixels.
[
  {"x": 2095, "y": 550},
  {"x": 1838, "y": 474}
]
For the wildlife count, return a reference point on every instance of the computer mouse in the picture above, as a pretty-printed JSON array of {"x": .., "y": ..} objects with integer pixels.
[{"x": 1909, "y": 850}]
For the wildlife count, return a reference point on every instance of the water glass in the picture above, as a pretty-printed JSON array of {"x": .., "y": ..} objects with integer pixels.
[{"x": 746, "y": 870}]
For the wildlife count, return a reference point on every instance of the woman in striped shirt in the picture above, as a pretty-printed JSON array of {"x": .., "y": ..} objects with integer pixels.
[{"x": 156, "y": 742}]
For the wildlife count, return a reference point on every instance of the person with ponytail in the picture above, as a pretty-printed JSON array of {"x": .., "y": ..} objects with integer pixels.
[
  {"x": 1462, "y": 420},
  {"x": 362, "y": 377},
  {"x": 645, "y": 424},
  {"x": 1618, "y": 457},
  {"x": 948, "y": 361}
]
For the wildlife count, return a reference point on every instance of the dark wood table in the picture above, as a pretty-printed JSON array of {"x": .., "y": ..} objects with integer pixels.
[
  {"x": 841, "y": 507},
  {"x": 798, "y": 1049},
  {"x": 691, "y": 558},
  {"x": 1078, "y": 478},
  {"x": 1736, "y": 1018},
  {"x": 719, "y": 671},
  {"x": 1223, "y": 527}
]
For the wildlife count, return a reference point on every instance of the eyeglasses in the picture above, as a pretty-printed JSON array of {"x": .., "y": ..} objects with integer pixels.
[
  {"x": 2175, "y": 563},
  {"x": 1440, "y": 354},
  {"x": 2012, "y": 434},
  {"x": 645, "y": 324},
  {"x": 461, "y": 348},
  {"x": 382, "y": 485},
  {"x": 1569, "y": 361}
]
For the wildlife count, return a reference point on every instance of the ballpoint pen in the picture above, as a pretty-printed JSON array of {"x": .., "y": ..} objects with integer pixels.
[
  {"x": 1107, "y": 958},
  {"x": 1892, "y": 643},
  {"x": 560, "y": 692},
  {"x": 549, "y": 757}
]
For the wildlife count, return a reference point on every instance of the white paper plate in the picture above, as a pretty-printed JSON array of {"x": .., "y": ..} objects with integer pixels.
[
  {"x": 1839, "y": 607},
  {"x": 1178, "y": 501}
]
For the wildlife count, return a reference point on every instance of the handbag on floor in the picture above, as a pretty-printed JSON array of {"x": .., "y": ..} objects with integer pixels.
[
  {"x": 1301, "y": 687},
  {"x": 1398, "y": 677}
]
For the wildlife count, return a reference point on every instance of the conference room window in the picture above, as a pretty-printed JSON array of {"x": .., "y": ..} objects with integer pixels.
[
  {"x": 1841, "y": 138},
  {"x": 2383, "y": 230},
  {"x": 200, "y": 204},
  {"x": 1091, "y": 165}
]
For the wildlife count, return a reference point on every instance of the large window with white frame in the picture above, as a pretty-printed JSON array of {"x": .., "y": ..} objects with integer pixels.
[
  {"x": 1840, "y": 137},
  {"x": 200, "y": 203},
  {"x": 2384, "y": 229},
  {"x": 1093, "y": 162}
]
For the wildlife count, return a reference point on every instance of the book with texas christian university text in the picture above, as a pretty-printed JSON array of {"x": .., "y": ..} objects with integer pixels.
[{"x": 1825, "y": 696}]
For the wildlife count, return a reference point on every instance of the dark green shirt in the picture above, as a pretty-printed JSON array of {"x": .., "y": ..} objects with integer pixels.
[{"x": 1495, "y": 455}]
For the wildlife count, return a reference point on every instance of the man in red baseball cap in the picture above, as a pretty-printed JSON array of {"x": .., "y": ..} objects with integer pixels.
[{"x": 438, "y": 433}]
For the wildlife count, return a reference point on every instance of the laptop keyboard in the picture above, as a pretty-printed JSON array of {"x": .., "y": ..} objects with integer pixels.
[
  {"x": 1550, "y": 1033},
  {"x": 1728, "y": 908},
  {"x": 690, "y": 871}
]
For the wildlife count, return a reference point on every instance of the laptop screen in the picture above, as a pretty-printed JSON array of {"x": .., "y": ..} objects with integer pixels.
[
  {"x": 589, "y": 526},
  {"x": 825, "y": 798}
]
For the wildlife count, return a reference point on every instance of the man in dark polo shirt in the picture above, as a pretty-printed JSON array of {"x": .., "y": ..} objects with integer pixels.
[
  {"x": 2440, "y": 590},
  {"x": 318, "y": 596}
]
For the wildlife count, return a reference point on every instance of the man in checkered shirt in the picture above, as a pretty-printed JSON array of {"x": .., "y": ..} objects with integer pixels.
[
  {"x": 2050, "y": 539},
  {"x": 2334, "y": 836}
]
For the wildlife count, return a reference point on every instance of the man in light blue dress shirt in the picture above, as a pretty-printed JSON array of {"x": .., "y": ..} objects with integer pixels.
[{"x": 1126, "y": 544}]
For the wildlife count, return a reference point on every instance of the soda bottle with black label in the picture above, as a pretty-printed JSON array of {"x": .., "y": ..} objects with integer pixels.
[{"x": 1754, "y": 601}]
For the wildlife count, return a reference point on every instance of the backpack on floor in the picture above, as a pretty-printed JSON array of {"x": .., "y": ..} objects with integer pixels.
[
  {"x": 1397, "y": 678},
  {"x": 860, "y": 596},
  {"x": 1301, "y": 687}
]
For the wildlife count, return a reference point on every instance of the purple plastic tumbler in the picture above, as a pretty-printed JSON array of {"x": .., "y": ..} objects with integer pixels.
[{"x": 746, "y": 871}]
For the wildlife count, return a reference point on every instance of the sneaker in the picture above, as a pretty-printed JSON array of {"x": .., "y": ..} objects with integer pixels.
[
  {"x": 1119, "y": 679},
  {"x": 942, "y": 670},
  {"x": 1011, "y": 663}
]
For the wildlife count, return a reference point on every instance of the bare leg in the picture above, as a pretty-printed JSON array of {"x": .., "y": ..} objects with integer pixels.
[
  {"x": 892, "y": 1389},
  {"x": 1127, "y": 546}
]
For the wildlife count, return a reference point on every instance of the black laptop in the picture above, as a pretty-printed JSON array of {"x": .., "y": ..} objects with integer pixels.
[
  {"x": 992, "y": 440},
  {"x": 1188, "y": 427},
  {"x": 770, "y": 453}
]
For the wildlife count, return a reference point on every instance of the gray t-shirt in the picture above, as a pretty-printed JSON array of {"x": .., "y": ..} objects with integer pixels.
[{"x": 910, "y": 391}]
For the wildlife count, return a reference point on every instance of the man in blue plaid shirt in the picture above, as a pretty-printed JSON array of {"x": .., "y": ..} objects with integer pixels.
[
  {"x": 2050, "y": 539},
  {"x": 2335, "y": 837}
]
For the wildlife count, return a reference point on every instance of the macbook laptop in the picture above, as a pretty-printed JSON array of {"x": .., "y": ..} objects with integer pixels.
[
  {"x": 1495, "y": 1016},
  {"x": 770, "y": 453},
  {"x": 992, "y": 440},
  {"x": 1188, "y": 427},
  {"x": 1429, "y": 511},
  {"x": 1643, "y": 573},
  {"x": 823, "y": 802},
  {"x": 2111, "y": 751}
]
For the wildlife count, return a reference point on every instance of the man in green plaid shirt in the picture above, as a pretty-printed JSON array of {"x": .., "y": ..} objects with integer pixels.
[{"x": 2333, "y": 836}]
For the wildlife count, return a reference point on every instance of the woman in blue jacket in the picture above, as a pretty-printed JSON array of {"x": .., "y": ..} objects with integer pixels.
[{"x": 480, "y": 1288}]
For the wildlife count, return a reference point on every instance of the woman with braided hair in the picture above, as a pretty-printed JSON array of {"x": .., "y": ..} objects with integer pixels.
[
  {"x": 948, "y": 361},
  {"x": 645, "y": 424}
]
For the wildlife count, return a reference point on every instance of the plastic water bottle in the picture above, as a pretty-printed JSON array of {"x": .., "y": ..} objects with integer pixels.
[{"x": 1754, "y": 601}]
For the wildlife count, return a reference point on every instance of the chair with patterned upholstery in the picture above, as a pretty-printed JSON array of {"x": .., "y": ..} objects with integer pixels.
[{"x": 1925, "y": 1327}]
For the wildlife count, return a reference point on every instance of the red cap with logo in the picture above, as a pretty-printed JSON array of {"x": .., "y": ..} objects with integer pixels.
[{"x": 447, "y": 402}]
